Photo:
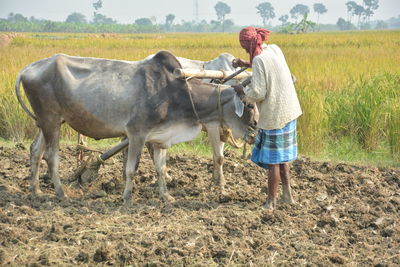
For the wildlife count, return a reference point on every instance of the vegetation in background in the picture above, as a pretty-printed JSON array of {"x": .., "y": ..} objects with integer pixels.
[
  {"x": 266, "y": 11},
  {"x": 320, "y": 9},
  {"x": 99, "y": 23},
  {"x": 348, "y": 83},
  {"x": 222, "y": 9}
]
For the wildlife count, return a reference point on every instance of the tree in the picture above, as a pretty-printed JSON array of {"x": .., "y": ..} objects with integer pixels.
[
  {"x": 229, "y": 24},
  {"x": 97, "y": 5},
  {"x": 16, "y": 17},
  {"x": 381, "y": 25},
  {"x": 76, "y": 18},
  {"x": 359, "y": 11},
  {"x": 143, "y": 21},
  {"x": 394, "y": 22},
  {"x": 102, "y": 19},
  {"x": 370, "y": 6},
  {"x": 320, "y": 9},
  {"x": 283, "y": 19},
  {"x": 215, "y": 24},
  {"x": 299, "y": 10},
  {"x": 222, "y": 9},
  {"x": 169, "y": 19},
  {"x": 266, "y": 11},
  {"x": 351, "y": 6},
  {"x": 304, "y": 25},
  {"x": 343, "y": 25}
]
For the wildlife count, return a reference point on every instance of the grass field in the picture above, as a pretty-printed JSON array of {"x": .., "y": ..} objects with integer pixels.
[{"x": 348, "y": 83}]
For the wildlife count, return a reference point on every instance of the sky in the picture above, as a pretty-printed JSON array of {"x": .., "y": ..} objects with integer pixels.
[{"x": 243, "y": 12}]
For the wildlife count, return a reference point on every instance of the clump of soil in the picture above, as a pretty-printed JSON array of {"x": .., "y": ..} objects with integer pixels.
[{"x": 344, "y": 215}]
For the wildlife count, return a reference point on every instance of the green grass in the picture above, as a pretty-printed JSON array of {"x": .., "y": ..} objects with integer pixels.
[{"x": 346, "y": 149}]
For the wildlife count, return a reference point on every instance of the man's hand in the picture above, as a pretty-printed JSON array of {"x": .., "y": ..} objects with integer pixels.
[
  {"x": 238, "y": 89},
  {"x": 237, "y": 62}
]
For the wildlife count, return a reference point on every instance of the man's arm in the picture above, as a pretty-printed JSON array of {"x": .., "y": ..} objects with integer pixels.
[
  {"x": 257, "y": 90},
  {"x": 237, "y": 62}
]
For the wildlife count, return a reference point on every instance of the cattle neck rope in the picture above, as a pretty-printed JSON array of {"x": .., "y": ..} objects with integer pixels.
[
  {"x": 225, "y": 134},
  {"x": 189, "y": 89}
]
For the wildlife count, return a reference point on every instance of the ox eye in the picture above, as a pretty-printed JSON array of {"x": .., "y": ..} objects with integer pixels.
[{"x": 251, "y": 106}]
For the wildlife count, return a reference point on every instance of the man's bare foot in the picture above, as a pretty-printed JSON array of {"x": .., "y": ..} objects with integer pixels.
[
  {"x": 270, "y": 204},
  {"x": 286, "y": 195},
  {"x": 286, "y": 199}
]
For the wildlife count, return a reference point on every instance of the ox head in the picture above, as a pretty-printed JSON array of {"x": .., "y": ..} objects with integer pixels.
[
  {"x": 222, "y": 62},
  {"x": 243, "y": 124}
]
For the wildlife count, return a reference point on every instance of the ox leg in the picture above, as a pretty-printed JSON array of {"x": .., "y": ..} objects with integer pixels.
[
  {"x": 134, "y": 152},
  {"x": 150, "y": 148},
  {"x": 160, "y": 156},
  {"x": 218, "y": 155},
  {"x": 51, "y": 137},
  {"x": 36, "y": 155}
]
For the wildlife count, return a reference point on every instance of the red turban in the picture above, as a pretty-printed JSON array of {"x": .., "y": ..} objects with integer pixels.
[{"x": 251, "y": 40}]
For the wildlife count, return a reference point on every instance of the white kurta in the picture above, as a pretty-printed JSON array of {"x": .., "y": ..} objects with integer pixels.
[{"x": 272, "y": 89}]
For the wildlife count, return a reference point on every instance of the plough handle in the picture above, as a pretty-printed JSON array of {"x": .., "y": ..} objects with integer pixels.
[
  {"x": 114, "y": 150},
  {"x": 233, "y": 75}
]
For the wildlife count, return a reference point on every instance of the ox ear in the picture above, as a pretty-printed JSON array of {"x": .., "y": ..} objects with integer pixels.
[{"x": 239, "y": 105}]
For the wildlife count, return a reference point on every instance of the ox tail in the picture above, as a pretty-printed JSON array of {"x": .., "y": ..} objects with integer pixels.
[{"x": 21, "y": 102}]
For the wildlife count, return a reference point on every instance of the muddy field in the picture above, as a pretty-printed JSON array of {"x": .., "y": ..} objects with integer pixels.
[{"x": 344, "y": 215}]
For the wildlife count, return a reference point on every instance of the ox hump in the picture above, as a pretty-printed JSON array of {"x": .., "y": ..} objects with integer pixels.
[{"x": 168, "y": 60}]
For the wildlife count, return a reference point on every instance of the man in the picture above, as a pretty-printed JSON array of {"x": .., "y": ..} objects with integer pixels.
[{"x": 273, "y": 90}]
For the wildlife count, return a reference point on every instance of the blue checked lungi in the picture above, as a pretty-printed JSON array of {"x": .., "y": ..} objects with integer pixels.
[{"x": 275, "y": 146}]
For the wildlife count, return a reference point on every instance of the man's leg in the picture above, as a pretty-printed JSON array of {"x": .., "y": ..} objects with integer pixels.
[
  {"x": 285, "y": 178},
  {"x": 273, "y": 181}
]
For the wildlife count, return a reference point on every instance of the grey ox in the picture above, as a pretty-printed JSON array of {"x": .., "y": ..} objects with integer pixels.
[
  {"x": 223, "y": 63},
  {"x": 140, "y": 100}
]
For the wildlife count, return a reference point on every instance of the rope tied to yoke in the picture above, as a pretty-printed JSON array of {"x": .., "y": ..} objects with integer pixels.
[{"x": 189, "y": 88}]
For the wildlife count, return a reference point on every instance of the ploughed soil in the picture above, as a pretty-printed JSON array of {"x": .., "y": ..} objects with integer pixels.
[{"x": 345, "y": 215}]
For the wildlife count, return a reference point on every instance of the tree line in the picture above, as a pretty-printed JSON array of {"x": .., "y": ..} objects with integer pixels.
[{"x": 360, "y": 14}]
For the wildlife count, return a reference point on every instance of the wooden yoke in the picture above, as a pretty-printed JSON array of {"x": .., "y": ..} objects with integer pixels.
[{"x": 209, "y": 74}]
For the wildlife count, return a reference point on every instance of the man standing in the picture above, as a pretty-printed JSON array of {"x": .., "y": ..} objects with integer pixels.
[{"x": 273, "y": 90}]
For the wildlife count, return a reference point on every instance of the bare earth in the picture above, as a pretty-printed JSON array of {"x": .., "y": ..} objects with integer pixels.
[{"x": 344, "y": 215}]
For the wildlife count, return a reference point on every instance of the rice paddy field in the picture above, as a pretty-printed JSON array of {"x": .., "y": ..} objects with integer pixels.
[
  {"x": 348, "y": 83},
  {"x": 346, "y": 181}
]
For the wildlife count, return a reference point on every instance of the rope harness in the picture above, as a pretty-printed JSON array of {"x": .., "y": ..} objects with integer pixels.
[{"x": 225, "y": 134}]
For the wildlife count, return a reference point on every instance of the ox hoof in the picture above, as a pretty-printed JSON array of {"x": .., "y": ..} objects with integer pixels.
[
  {"x": 218, "y": 182},
  {"x": 269, "y": 205},
  {"x": 61, "y": 195},
  {"x": 168, "y": 178},
  {"x": 167, "y": 198},
  {"x": 224, "y": 196},
  {"x": 37, "y": 191},
  {"x": 127, "y": 202},
  {"x": 65, "y": 200}
]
